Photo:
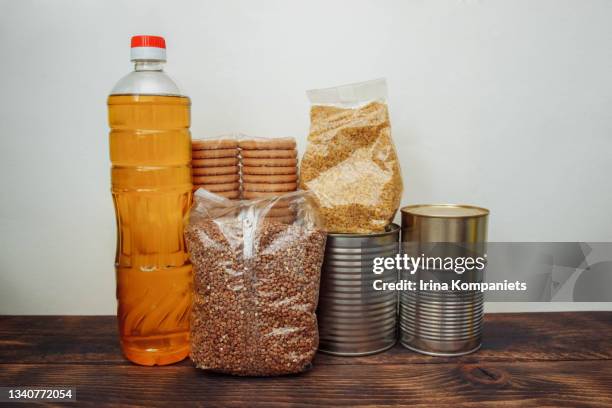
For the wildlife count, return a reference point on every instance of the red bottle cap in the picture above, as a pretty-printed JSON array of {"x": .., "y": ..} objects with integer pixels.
[
  {"x": 148, "y": 47},
  {"x": 148, "y": 41}
]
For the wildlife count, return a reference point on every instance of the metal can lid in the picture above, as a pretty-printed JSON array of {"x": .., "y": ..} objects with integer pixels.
[
  {"x": 389, "y": 230},
  {"x": 445, "y": 211}
]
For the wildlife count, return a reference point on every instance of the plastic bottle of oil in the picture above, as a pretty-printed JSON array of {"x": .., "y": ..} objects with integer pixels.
[{"x": 150, "y": 151}]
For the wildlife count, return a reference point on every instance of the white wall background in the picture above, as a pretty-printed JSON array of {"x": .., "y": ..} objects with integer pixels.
[{"x": 504, "y": 104}]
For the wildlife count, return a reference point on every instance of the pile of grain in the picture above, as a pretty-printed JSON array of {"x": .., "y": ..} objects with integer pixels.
[
  {"x": 352, "y": 167},
  {"x": 254, "y": 306}
]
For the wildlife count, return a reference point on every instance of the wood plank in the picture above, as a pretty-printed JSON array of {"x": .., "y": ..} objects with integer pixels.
[
  {"x": 507, "y": 337},
  {"x": 59, "y": 339},
  {"x": 520, "y": 384}
]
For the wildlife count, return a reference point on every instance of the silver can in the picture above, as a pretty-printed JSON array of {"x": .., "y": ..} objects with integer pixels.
[
  {"x": 354, "y": 318},
  {"x": 443, "y": 322}
]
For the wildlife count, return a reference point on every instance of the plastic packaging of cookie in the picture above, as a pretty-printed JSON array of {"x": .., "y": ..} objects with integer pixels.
[
  {"x": 215, "y": 165},
  {"x": 350, "y": 161},
  {"x": 269, "y": 166},
  {"x": 257, "y": 267}
]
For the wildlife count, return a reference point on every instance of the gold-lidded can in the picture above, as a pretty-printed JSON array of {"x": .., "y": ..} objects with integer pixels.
[
  {"x": 443, "y": 323},
  {"x": 444, "y": 223}
]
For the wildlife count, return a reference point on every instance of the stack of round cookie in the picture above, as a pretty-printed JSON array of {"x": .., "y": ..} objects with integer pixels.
[
  {"x": 269, "y": 169},
  {"x": 215, "y": 166}
]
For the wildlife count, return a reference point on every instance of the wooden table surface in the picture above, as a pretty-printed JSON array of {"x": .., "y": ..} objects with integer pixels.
[{"x": 533, "y": 359}]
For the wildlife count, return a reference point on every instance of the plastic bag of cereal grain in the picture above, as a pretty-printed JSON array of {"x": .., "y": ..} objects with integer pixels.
[
  {"x": 256, "y": 269},
  {"x": 350, "y": 162}
]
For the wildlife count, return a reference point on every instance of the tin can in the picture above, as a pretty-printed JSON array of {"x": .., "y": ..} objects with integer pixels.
[
  {"x": 354, "y": 318},
  {"x": 443, "y": 322}
]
